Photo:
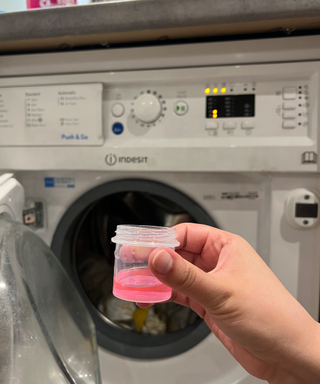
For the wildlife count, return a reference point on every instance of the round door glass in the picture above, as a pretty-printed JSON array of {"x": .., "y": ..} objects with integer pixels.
[{"x": 94, "y": 258}]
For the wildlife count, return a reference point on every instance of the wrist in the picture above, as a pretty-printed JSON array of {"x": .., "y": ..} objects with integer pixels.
[{"x": 303, "y": 364}]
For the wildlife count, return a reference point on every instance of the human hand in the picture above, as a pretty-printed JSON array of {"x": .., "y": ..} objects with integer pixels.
[
  {"x": 134, "y": 254},
  {"x": 222, "y": 278}
]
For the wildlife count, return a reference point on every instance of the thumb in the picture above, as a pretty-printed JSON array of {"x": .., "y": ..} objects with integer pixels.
[{"x": 174, "y": 271}]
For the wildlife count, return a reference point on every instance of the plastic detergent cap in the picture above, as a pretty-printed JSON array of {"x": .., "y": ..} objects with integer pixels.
[{"x": 146, "y": 236}]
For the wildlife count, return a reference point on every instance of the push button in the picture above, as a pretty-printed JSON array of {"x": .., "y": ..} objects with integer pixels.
[
  {"x": 117, "y": 110},
  {"x": 288, "y": 124},
  {"x": 180, "y": 108},
  {"x": 117, "y": 128},
  {"x": 212, "y": 125},
  {"x": 289, "y": 93},
  {"x": 287, "y": 105},
  {"x": 229, "y": 125},
  {"x": 247, "y": 125},
  {"x": 289, "y": 115}
]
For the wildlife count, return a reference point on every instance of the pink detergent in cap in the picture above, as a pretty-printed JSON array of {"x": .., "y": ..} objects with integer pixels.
[{"x": 133, "y": 280}]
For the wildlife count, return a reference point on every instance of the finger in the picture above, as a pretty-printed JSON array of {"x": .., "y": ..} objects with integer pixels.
[
  {"x": 141, "y": 253},
  {"x": 189, "y": 256},
  {"x": 126, "y": 255},
  {"x": 193, "y": 237},
  {"x": 202, "y": 261},
  {"x": 181, "y": 299},
  {"x": 176, "y": 297},
  {"x": 172, "y": 270},
  {"x": 134, "y": 254},
  {"x": 144, "y": 305},
  {"x": 196, "y": 239}
]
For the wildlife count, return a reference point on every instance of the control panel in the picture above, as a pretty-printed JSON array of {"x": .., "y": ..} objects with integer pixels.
[
  {"x": 51, "y": 115},
  {"x": 257, "y": 109},
  {"x": 272, "y": 105}
]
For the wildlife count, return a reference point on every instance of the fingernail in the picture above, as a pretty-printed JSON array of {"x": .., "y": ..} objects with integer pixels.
[{"x": 162, "y": 262}]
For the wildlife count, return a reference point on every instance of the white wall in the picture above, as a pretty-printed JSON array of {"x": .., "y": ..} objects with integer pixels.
[{"x": 13, "y": 5}]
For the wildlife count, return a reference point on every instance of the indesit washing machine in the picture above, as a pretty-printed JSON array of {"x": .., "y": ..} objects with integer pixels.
[{"x": 223, "y": 134}]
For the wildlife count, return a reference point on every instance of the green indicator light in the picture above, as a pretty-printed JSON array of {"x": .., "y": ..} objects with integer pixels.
[{"x": 178, "y": 108}]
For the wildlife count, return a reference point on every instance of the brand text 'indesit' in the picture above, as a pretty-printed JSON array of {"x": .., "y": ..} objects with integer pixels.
[{"x": 133, "y": 159}]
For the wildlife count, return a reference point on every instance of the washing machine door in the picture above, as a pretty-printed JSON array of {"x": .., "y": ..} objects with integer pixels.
[
  {"x": 46, "y": 332},
  {"x": 82, "y": 244}
]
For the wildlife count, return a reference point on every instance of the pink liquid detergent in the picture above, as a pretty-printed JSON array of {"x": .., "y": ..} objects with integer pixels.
[{"x": 139, "y": 285}]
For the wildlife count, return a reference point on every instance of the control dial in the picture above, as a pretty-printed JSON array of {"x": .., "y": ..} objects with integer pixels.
[{"x": 147, "y": 108}]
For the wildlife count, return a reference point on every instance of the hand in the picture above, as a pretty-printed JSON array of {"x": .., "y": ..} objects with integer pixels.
[
  {"x": 222, "y": 278},
  {"x": 134, "y": 254}
]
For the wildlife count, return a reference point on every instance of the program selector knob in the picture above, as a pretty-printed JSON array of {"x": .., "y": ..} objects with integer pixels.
[{"x": 147, "y": 108}]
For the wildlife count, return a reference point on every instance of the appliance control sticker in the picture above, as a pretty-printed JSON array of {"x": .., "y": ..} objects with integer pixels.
[
  {"x": 250, "y": 192},
  {"x": 68, "y": 114},
  {"x": 250, "y": 195},
  {"x": 59, "y": 182}
]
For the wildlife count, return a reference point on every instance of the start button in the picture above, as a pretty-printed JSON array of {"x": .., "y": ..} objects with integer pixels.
[{"x": 180, "y": 108}]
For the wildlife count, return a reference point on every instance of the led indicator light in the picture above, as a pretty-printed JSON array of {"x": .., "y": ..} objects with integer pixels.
[
  {"x": 223, "y": 90},
  {"x": 214, "y": 114},
  {"x": 215, "y": 90},
  {"x": 207, "y": 90}
]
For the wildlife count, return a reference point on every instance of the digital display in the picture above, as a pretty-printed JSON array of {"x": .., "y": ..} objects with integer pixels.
[
  {"x": 230, "y": 106},
  {"x": 307, "y": 210}
]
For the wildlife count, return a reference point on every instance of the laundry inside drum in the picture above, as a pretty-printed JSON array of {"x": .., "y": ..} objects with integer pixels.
[{"x": 94, "y": 259}]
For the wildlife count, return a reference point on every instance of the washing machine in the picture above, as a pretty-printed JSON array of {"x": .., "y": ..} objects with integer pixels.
[{"x": 223, "y": 134}]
